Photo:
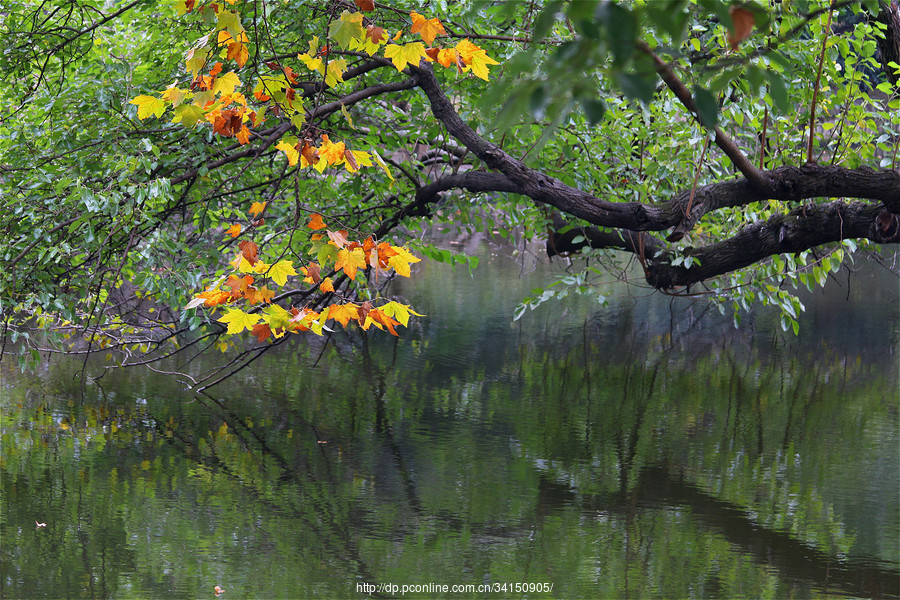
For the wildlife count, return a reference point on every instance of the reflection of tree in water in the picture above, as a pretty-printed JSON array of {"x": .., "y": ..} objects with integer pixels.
[
  {"x": 747, "y": 411},
  {"x": 642, "y": 449},
  {"x": 636, "y": 414}
]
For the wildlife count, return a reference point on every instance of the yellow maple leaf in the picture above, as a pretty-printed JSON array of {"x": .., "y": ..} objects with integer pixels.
[
  {"x": 238, "y": 320},
  {"x": 480, "y": 62},
  {"x": 335, "y": 72},
  {"x": 407, "y": 54},
  {"x": 350, "y": 261},
  {"x": 290, "y": 151},
  {"x": 399, "y": 311},
  {"x": 149, "y": 105},
  {"x": 353, "y": 159},
  {"x": 474, "y": 58},
  {"x": 277, "y": 318},
  {"x": 327, "y": 285},
  {"x": 400, "y": 262},
  {"x": 466, "y": 49},
  {"x": 174, "y": 95},
  {"x": 225, "y": 84},
  {"x": 279, "y": 271},
  {"x": 427, "y": 28}
]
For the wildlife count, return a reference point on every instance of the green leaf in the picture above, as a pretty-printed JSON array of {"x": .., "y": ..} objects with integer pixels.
[
  {"x": 347, "y": 29},
  {"x": 546, "y": 20},
  {"x": 621, "y": 26},
  {"x": 707, "y": 107},
  {"x": 187, "y": 114},
  {"x": 637, "y": 85},
  {"x": 594, "y": 109},
  {"x": 778, "y": 90}
]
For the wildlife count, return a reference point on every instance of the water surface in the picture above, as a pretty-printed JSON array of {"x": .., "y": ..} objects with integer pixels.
[{"x": 642, "y": 449}]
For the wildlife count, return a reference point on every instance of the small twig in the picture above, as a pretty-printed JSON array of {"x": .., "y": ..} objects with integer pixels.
[
  {"x": 763, "y": 142},
  {"x": 687, "y": 209},
  {"x": 812, "y": 112},
  {"x": 756, "y": 177}
]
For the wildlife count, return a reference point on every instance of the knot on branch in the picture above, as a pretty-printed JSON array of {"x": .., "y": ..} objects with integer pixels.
[{"x": 887, "y": 226}]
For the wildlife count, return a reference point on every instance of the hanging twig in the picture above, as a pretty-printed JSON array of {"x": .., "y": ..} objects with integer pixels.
[{"x": 812, "y": 112}]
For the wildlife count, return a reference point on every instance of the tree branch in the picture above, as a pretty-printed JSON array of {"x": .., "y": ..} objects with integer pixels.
[{"x": 725, "y": 143}]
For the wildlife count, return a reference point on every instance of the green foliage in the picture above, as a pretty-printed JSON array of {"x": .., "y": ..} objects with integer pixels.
[{"x": 110, "y": 208}]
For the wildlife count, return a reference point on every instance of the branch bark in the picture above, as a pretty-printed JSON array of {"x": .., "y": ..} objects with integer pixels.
[{"x": 798, "y": 230}]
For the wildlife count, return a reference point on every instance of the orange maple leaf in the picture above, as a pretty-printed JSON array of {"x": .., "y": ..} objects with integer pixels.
[
  {"x": 332, "y": 152},
  {"x": 379, "y": 318},
  {"x": 239, "y": 285},
  {"x": 243, "y": 136},
  {"x": 327, "y": 285},
  {"x": 450, "y": 56},
  {"x": 234, "y": 230},
  {"x": 257, "y": 295},
  {"x": 342, "y": 313},
  {"x": 385, "y": 252},
  {"x": 427, "y": 28},
  {"x": 743, "y": 25},
  {"x": 256, "y": 208},
  {"x": 249, "y": 250},
  {"x": 238, "y": 52},
  {"x": 214, "y": 297},
  {"x": 312, "y": 272},
  {"x": 350, "y": 261},
  {"x": 315, "y": 222},
  {"x": 262, "y": 331}
]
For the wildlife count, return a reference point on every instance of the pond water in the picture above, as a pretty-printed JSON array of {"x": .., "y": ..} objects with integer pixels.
[{"x": 643, "y": 449}]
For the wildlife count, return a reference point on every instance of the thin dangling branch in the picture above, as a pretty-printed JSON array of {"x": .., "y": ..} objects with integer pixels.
[{"x": 812, "y": 112}]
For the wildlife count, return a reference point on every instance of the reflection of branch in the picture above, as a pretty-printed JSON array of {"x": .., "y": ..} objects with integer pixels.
[{"x": 795, "y": 560}]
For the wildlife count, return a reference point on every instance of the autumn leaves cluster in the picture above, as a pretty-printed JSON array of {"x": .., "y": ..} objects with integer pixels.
[
  {"x": 335, "y": 255},
  {"x": 215, "y": 96}
]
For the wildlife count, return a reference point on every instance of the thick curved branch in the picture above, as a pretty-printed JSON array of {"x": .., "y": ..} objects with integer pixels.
[
  {"x": 801, "y": 229},
  {"x": 474, "y": 181},
  {"x": 534, "y": 184},
  {"x": 792, "y": 184},
  {"x": 785, "y": 183}
]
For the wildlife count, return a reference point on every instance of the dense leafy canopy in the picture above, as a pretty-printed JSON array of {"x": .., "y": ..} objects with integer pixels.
[{"x": 177, "y": 175}]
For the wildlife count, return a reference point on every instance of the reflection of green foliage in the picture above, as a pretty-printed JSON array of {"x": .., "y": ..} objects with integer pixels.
[{"x": 532, "y": 470}]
